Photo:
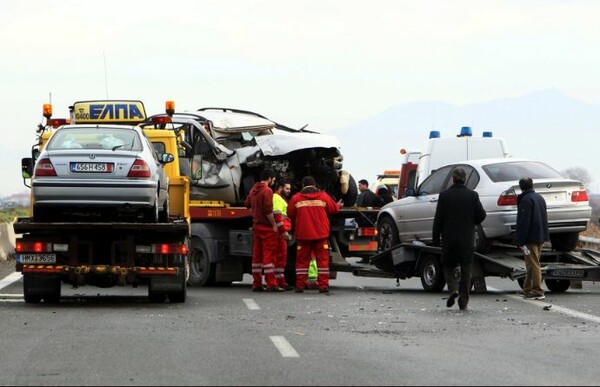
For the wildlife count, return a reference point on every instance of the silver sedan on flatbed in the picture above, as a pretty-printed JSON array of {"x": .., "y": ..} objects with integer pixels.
[
  {"x": 104, "y": 171},
  {"x": 496, "y": 182}
]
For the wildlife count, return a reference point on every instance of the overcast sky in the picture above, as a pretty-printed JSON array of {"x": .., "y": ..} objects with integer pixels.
[{"x": 323, "y": 63}]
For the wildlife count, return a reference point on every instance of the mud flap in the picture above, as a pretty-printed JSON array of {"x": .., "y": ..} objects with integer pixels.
[{"x": 164, "y": 284}]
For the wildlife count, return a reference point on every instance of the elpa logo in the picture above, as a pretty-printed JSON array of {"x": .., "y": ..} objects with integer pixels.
[
  {"x": 115, "y": 112},
  {"x": 126, "y": 112}
]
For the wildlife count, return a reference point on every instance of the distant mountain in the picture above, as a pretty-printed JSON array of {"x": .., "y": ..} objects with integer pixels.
[
  {"x": 15, "y": 200},
  {"x": 544, "y": 125}
]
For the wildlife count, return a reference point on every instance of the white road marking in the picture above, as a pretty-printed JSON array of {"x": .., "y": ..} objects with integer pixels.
[
  {"x": 9, "y": 279},
  {"x": 251, "y": 304},
  {"x": 283, "y": 346},
  {"x": 553, "y": 307}
]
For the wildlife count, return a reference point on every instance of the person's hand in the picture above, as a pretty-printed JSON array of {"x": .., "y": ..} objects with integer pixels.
[
  {"x": 275, "y": 228},
  {"x": 340, "y": 203}
]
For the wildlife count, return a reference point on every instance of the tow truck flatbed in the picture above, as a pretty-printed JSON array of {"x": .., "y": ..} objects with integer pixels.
[{"x": 560, "y": 269}]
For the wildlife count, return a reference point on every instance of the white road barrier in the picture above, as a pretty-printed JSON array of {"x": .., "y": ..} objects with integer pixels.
[{"x": 7, "y": 240}]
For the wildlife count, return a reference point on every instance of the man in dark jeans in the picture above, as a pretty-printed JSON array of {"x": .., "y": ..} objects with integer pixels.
[
  {"x": 532, "y": 232},
  {"x": 458, "y": 212}
]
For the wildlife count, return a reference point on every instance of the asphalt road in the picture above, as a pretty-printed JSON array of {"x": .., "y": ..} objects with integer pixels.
[{"x": 367, "y": 332}]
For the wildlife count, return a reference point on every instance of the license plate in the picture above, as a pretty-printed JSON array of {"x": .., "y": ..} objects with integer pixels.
[
  {"x": 92, "y": 167},
  {"x": 573, "y": 273},
  {"x": 36, "y": 258},
  {"x": 555, "y": 197}
]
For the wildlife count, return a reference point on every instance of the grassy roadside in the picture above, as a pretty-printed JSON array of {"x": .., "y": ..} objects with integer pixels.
[{"x": 7, "y": 215}]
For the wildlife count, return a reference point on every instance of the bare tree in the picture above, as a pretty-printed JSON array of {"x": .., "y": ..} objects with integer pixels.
[{"x": 578, "y": 173}]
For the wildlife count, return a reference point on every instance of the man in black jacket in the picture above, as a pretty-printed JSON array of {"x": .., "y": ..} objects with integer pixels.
[
  {"x": 458, "y": 212},
  {"x": 532, "y": 232}
]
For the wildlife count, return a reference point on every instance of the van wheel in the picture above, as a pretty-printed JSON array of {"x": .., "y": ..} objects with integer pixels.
[
  {"x": 387, "y": 233},
  {"x": 432, "y": 275}
]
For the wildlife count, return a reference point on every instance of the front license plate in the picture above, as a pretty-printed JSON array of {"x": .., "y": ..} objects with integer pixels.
[
  {"x": 92, "y": 167},
  {"x": 36, "y": 258},
  {"x": 573, "y": 273}
]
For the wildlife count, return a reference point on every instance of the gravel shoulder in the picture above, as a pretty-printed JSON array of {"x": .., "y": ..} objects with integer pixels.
[{"x": 7, "y": 267}]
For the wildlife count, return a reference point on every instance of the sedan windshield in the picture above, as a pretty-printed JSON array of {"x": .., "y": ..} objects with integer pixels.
[
  {"x": 95, "y": 138},
  {"x": 514, "y": 171}
]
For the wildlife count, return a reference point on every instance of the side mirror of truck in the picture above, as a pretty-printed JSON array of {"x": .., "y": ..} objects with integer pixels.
[{"x": 27, "y": 167}]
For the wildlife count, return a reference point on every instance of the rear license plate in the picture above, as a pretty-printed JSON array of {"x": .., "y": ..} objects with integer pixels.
[
  {"x": 92, "y": 167},
  {"x": 572, "y": 273},
  {"x": 555, "y": 197},
  {"x": 36, "y": 258}
]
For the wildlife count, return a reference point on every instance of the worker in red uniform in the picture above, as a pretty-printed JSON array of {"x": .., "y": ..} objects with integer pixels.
[
  {"x": 309, "y": 212},
  {"x": 265, "y": 233}
]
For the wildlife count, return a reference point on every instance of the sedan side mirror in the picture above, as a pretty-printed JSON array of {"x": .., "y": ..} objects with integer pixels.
[
  {"x": 410, "y": 192},
  {"x": 166, "y": 158}
]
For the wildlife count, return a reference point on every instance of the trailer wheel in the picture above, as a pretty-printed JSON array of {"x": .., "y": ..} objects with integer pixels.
[
  {"x": 481, "y": 243},
  {"x": 557, "y": 285},
  {"x": 432, "y": 275},
  {"x": 202, "y": 271},
  {"x": 387, "y": 233}
]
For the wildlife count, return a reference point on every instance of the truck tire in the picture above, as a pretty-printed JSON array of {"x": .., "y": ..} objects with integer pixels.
[
  {"x": 387, "y": 233},
  {"x": 432, "y": 275},
  {"x": 557, "y": 285},
  {"x": 566, "y": 241},
  {"x": 290, "y": 266},
  {"x": 156, "y": 297},
  {"x": 202, "y": 271}
]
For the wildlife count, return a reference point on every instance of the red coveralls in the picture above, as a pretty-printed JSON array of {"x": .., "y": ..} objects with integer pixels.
[
  {"x": 264, "y": 239},
  {"x": 309, "y": 212},
  {"x": 284, "y": 225}
]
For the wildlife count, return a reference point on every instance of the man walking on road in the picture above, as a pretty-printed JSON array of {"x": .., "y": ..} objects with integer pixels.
[
  {"x": 458, "y": 212},
  {"x": 265, "y": 233},
  {"x": 309, "y": 212},
  {"x": 532, "y": 232}
]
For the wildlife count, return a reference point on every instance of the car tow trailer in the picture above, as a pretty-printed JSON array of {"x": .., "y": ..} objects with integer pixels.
[{"x": 561, "y": 270}]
